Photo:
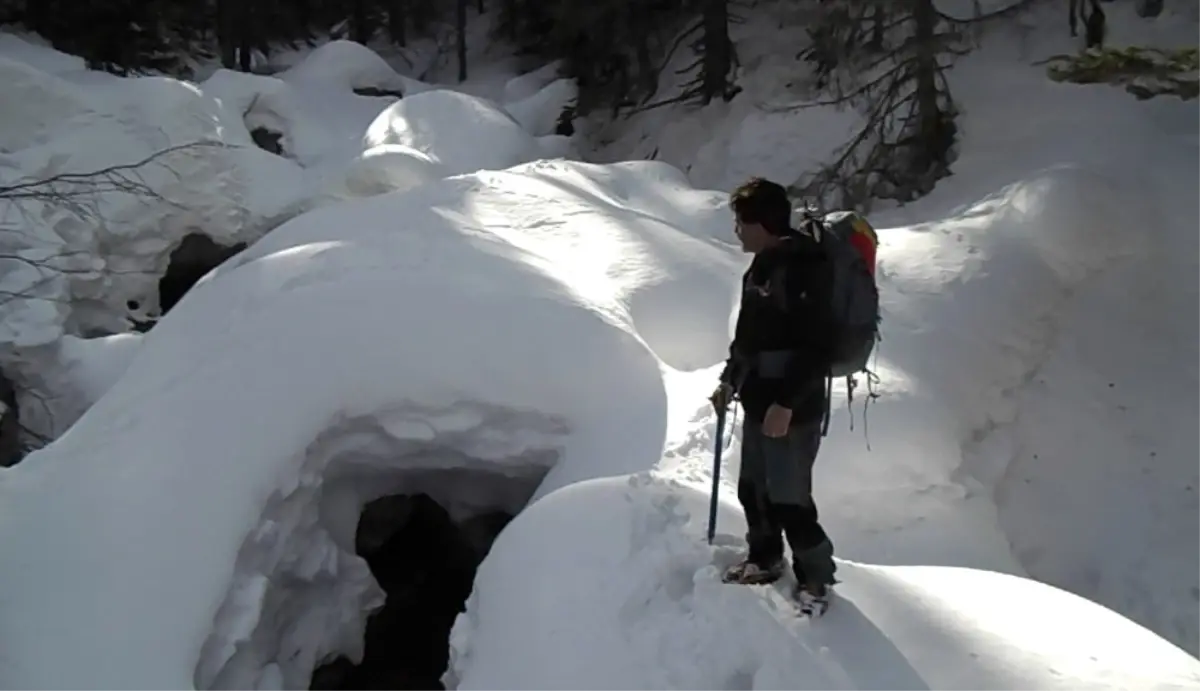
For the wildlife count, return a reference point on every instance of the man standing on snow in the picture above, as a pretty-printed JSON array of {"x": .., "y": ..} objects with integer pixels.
[{"x": 777, "y": 367}]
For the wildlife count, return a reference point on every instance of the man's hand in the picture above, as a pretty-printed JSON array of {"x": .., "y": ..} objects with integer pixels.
[
  {"x": 721, "y": 398},
  {"x": 777, "y": 421}
]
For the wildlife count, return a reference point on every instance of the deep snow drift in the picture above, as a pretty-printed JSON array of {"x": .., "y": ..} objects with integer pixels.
[
  {"x": 1077, "y": 313},
  {"x": 515, "y": 321},
  {"x": 485, "y": 334},
  {"x": 557, "y": 324},
  {"x": 633, "y": 600},
  {"x": 89, "y": 264}
]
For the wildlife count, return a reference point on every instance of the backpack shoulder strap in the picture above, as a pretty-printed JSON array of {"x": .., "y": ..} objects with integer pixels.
[{"x": 799, "y": 249}]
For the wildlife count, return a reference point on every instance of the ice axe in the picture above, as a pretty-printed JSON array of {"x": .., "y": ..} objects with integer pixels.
[{"x": 716, "y": 474}]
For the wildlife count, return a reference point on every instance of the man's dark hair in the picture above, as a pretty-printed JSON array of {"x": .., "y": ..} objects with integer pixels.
[{"x": 761, "y": 201}]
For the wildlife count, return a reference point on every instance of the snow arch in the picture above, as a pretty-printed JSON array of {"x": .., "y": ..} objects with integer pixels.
[
  {"x": 366, "y": 328},
  {"x": 299, "y": 593}
]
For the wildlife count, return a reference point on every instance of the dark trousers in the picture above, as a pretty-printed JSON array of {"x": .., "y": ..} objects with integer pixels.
[{"x": 775, "y": 490}]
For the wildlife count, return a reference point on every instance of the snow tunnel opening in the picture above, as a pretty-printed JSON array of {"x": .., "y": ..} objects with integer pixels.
[
  {"x": 424, "y": 560},
  {"x": 365, "y": 554}
]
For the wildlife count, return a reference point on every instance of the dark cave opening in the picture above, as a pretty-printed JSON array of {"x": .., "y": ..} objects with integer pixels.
[
  {"x": 425, "y": 562},
  {"x": 196, "y": 255}
]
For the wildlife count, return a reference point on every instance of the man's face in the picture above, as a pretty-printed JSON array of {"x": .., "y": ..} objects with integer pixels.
[{"x": 754, "y": 237}]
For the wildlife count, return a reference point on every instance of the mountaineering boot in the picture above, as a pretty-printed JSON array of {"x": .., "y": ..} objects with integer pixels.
[
  {"x": 812, "y": 598},
  {"x": 750, "y": 572}
]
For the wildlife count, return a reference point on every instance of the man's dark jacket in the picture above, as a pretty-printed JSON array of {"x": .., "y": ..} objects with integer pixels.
[{"x": 800, "y": 322}]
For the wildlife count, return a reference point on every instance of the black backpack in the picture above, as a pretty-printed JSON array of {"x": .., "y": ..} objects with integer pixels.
[{"x": 843, "y": 237}]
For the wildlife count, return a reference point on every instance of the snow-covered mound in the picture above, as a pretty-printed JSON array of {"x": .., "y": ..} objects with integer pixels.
[
  {"x": 382, "y": 169},
  {"x": 463, "y": 133},
  {"x": 111, "y": 236},
  {"x": 1054, "y": 373},
  {"x": 36, "y": 52},
  {"x": 111, "y": 243},
  {"x": 549, "y": 330},
  {"x": 90, "y": 263},
  {"x": 539, "y": 113},
  {"x": 34, "y": 102},
  {"x": 352, "y": 66},
  {"x": 255, "y": 101},
  {"x": 488, "y": 323},
  {"x": 525, "y": 85},
  {"x": 633, "y": 600},
  {"x": 488, "y": 329}
]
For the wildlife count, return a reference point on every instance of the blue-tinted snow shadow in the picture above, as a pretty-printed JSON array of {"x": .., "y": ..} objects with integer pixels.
[{"x": 867, "y": 657}]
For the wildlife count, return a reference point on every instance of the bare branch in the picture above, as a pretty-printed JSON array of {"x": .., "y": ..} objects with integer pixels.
[{"x": 119, "y": 178}]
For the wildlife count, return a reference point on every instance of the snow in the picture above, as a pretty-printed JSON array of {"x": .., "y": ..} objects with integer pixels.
[
  {"x": 352, "y": 66},
  {"x": 1029, "y": 299},
  {"x": 463, "y": 133},
  {"x": 538, "y": 114},
  {"x": 515, "y": 275},
  {"x": 426, "y": 306},
  {"x": 34, "y": 102},
  {"x": 525, "y": 85},
  {"x": 77, "y": 266},
  {"x": 69, "y": 376},
  {"x": 31, "y": 50},
  {"x": 647, "y": 610}
]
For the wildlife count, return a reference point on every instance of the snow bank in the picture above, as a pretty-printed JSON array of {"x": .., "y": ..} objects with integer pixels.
[
  {"x": 539, "y": 113},
  {"x": 633, "y": 600},
  {"x": 109, "y": 245},
  {"x": 37, "y": 53},
  {"x": 509, "y": 325},
  {"x": 83, "y": 262},
  {"x": 525, "y": 85},
  {"x": 34, "y": 103},
  {"x": 352, "y": 66},
  {"x": 435, "y": 340},
  {"x": 257, "y": 101},
  {"x": 113, "y": 241},
  {"x": 188, "y": 166},
  {"x": 61, "y": 380},
  {"x": 1026, "y": 299},
  {"x": 489, "y": 323},
  {"x": 95, "y": 364},
  {"x": 1091, "y": 457},
  {"x": 382, "y": 169},
  {"x": 463, "y": 133}
]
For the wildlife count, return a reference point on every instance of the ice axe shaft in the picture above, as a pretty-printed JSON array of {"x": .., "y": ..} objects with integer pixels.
[{"x": 716, "y": 475}]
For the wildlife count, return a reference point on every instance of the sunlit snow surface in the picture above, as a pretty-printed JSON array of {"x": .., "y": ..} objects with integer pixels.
[{"x": 194, "y": 526}]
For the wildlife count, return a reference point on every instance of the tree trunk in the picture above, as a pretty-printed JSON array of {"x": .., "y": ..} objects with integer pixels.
[
  {"x": 929, "y": 116},
  {"x": 510, "y": 9},
  {"x": 460, "y": 25},
  {"x": 396, "y": 21},
  {"x": 227, "y": 34},
  {"x": 360, "y": 32},
  {"x": 245, "y": 33},
  {"x": 717, "y": 50},
  {"x": 878, "y": 20}
]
